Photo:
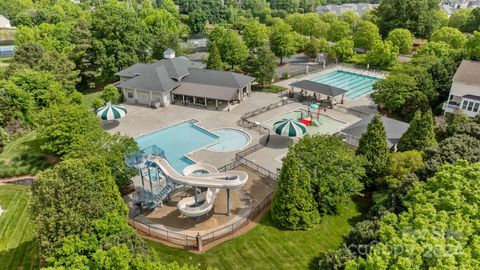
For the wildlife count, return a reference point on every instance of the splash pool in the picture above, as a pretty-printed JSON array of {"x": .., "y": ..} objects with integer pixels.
[
  {"x": 323, "y": 125},
  {"x": 357, "y": 85},
  {"x": 231, "y": 139}
]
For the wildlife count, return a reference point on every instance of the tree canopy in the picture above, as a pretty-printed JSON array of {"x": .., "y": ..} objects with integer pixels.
[
  {"x": 450, "y": 242},
  {"x": 418, "y": 16},
  {"x": 335, "y": 174}
]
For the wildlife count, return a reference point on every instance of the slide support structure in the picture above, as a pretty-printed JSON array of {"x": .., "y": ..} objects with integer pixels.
[
  {"x": 150, "y": 179},
  {"x": 196, "y": 196},
  {"x": 228, "y": 203}
]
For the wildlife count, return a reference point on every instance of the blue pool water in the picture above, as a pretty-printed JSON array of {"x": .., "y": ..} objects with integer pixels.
[
  {"x": 177, "y": 141},
  {"x": 230, "y": 139},
  {"x": 356, "y": 84}
]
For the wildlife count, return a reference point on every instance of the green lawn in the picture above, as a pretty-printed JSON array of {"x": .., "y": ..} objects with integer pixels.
[
  {"x": 269, "y": 88},
  {"x": 22, "y": 156},
  {"x": 89, "y": 97},
  {"x": 17, "y": 245},
  {"x": 267, "y": 247}
]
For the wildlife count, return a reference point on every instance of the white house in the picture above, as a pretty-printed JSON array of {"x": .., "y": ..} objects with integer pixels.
[{"x": 465, "y": 91}]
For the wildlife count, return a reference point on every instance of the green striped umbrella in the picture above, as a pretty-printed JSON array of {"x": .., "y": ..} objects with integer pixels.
[
  {"x": 111, "y": 112},
  {"x": 290, "y": 128}
]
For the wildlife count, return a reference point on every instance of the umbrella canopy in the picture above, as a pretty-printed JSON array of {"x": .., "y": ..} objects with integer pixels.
[
  {"x": 313, "y": 106},
  {"x": 290, "y": 128},
  {"x": 111, "y": 112}
]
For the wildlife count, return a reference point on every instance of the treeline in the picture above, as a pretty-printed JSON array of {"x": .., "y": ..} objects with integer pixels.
[{"x": 425, "y": 196}]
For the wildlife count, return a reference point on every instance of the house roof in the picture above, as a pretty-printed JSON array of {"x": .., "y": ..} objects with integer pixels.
[
  {"x": 319, "y": 88},
  {"x": 167, "y": 74},
  {"x": 206, "y": 91},
  {"x": 468, "y": 72},
  {"x": 474, "y": 97},
  {"x": 218, "y": 78},
  {"x": 394, "y": 129},
  {"x": 153, "y": 79},
  {"x": 5, "y": 22}
]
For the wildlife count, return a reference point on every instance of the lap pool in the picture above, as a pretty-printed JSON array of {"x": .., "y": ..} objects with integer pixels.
[
  {"x": 357, "y": 85},
  {"x": 181, "y": 139}
]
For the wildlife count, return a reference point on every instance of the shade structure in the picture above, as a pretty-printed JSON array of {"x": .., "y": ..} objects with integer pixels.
[
  {"x": 289, "y": 128},
  {"x": 111, "y": 112}
]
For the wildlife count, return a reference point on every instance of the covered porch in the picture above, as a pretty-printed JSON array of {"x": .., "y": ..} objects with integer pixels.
[
  {"x": 207, "y": 96},
  {"x": 314, "y": 92}
]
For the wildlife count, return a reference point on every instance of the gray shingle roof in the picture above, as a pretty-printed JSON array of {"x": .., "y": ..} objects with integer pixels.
[
  {"x": 468, "y": 72},
  {"x": 167, "y": 74},
  {"x": 133, "y": 70},
  {"x": 218, "y": 78},
  {"x": 154, "y": 79},
  {"x": 394, "y": 128},
  {"x": 206, "y": 91},
  {"x": 319, "y": 88}
]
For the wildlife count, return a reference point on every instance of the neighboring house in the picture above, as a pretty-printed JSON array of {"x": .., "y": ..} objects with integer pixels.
[
  {"x": 5, "y": 23},
  {"x": 359, "y": 9},
  {"x": 450, "y": 6},
  {"x": 177, "y": 79},
  {"x": 394, "y": 130},
  {"x": 465, "y": 91}
]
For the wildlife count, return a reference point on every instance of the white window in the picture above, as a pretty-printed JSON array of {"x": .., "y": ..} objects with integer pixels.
[
  {"x": 470, "y": 106},
  {"x": 464, "y": 106},
  {"x": 475, "y": 108}
]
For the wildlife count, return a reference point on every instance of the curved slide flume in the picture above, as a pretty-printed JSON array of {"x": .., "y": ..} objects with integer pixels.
[{"x": 201, "y": 175}]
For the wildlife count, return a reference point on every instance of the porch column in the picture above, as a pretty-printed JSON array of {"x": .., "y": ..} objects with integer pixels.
[
  {"x": 216, "y": 104},
  {"x": 183, "y": 99},
  {"x": 193, "y": 100},
  {"x": 205, "y": 102}
]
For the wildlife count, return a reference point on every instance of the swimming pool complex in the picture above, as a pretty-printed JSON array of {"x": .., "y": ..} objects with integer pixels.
[
  {"x": 356, "y": 84},
  {"x": 324, "y": 125},
  {"x": 179, "y": 140}
]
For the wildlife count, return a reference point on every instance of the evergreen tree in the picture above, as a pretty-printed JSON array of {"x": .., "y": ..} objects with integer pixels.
[
  {"x": 294, "y": 206},
  {"x": 420, "y": 135},
  {"x": 373, "y": 146},
  {"x": 214, "y": 61}
]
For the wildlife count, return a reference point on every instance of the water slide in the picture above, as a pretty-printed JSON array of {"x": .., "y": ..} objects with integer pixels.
[{"x": 201, "y": 175}]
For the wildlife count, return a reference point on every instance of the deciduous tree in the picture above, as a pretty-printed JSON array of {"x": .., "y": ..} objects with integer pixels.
[
  {"x": 366, "y": 34},
  {"x": 449, "y": 35},
  {"x": 402, "y": 39},
  {"x": 262, "y": 66},
  {"x": 282, "y": 42}
]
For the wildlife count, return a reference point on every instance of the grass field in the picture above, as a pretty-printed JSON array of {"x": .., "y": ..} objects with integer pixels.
[
  {"x": 22, "y": 156},
  {"x": 89, "y": 97},
  {"x": 17, "y": 246},
  {"x": 267, "y": 247}
]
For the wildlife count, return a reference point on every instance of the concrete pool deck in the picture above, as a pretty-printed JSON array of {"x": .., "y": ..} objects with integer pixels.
[{"x": 142, "y": 120}]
